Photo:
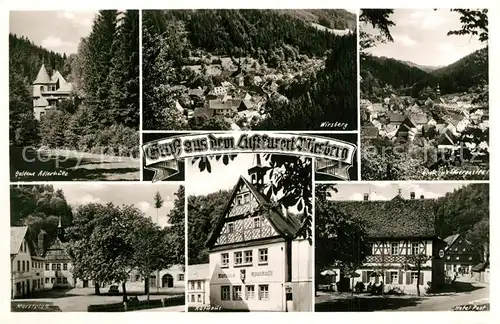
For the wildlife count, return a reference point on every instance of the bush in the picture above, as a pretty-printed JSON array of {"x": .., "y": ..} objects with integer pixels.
[
  {"x": 135, "y": 304},
  {"x": 359, "y": 287}
]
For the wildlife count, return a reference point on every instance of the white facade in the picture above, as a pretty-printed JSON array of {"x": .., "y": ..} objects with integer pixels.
[
  {"x": 261, "y": 288},
  {"x": 198, "y": 292}
]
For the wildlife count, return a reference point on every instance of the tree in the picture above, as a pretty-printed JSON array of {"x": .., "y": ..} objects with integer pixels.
[
  {"x": 474, "y": 22},
  {"x": 379, "y": 19},
  {"x": 124, "y": 73},
  {"x": 158, "y": 203},
  {"x": 416, "y": 261},
  {"x": 101, "y": 243},
  {"x": 340, "y": 239},
  {"x": 176, "y": 220}
]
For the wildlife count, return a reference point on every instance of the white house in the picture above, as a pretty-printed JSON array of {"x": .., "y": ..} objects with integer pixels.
[
  {"x": 198, "y": 289},
  {"x": 27, "y": 274},
  {"x": 257, "y": 260},
  {"x": 48, "y": 91}
]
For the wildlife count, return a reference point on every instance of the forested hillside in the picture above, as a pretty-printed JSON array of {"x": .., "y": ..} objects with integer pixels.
[
  {"x": 276, "y": 41},
  {"x": 203, "y": 211},
  {"x": 39, "y": 207},
  {"x": 466, "y": 211},
  {"x": 378, "y": 72},
  {"x": 102, "y": 115},
  {"x": 26, "y": 58}
]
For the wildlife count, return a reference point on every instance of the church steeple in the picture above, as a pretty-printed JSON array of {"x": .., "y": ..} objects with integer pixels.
[
  {"x": 60, "y": 231},
  {"x": 257, "y": 172}
]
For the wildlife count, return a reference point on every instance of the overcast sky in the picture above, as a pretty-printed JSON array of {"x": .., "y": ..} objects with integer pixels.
[
  {"x": 59, "y": 31},
  {"x": 138, "y": 194},
  {"x": 387, "y": 190},
  {"x": 222, "y": 177},
  {"x": 420, "y": 37}
]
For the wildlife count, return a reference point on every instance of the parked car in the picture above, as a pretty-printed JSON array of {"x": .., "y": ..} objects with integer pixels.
[{"x": 113, "y": 289}]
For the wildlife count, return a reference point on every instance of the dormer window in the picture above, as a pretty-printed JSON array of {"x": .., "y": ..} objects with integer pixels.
[{"x": 256, "y": 222}]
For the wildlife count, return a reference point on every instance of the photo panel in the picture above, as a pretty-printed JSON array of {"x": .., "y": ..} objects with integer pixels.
[
  {"x": 424, "y": 106},
  {"x": 250, "y": 233},
  {"x": 400, "y": 246},
  {"x": 74, "y": 95},
  {"x": 97, "y": 247},
  {"x": 241, "y": 69}
]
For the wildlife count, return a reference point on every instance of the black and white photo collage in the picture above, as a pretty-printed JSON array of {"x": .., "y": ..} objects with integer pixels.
[{"x": 249, "y": 160}]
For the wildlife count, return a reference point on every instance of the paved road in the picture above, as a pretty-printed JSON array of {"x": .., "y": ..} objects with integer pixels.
[
  {"x": 446, "y": 302},
  {"x": 181, "y": 308}
]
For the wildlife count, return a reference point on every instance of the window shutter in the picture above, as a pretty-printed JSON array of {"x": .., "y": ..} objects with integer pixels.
[
  {"x": 387, "y": 277},
  {"x": 400, "y": 277},
  {"x": 364, "y": 275},
  {"x": 421, "y": 278},
  {"x": 408, "y": 277}
]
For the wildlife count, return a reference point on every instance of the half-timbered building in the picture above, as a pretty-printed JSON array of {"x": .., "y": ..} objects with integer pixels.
[
  {"x": 403, "y": 240},
  {"x": 257, "y": 261}
]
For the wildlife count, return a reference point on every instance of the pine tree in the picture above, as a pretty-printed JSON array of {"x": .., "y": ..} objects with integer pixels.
[
  {"x": 124, "y": 75},
  {"x": 98, "y": 62}
]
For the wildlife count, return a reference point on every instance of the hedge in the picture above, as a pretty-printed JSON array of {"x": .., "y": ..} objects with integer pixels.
[{"x": 143, "y": 304}]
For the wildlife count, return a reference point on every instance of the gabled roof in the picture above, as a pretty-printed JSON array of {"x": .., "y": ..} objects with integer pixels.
[
  {"x": 56, "y": 251},
  {"x": 199, "y": 271},
  {"x": 42, "y": 76},
  {"x": 396, "y": 218},
  {"x": 203, "y": 112},
  {"x": 286, "y": 226},
  {"x": 396, "y": 117},
  {"x": 17, "y": 235},
  {"x": 450, "y": 240}
]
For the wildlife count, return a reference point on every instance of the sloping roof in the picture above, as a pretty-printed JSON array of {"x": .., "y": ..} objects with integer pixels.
[
  {"x": 370, "y": 131},
  {"x": 199, "y": 271},
  {"x": 203, "y": 112},
  {"x": 286, "y": 226},
  {"x": 396, "y": 117},
  {"x": 396, "y": 218},
  {"x": 217, "y": 104},
  {"x": 56, "y": 251},
  {"x": 450, "y": 240},
  {"x": 42, "y": 76},
  {"x": 195, "y": 92},
  {"x": 480, "y": 267},
  {"x": 17, "y": 234},
  {"x": 419, "y": 119}
]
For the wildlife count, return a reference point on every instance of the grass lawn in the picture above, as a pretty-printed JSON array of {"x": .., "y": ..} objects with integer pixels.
[{"x": 66, "y": 165}]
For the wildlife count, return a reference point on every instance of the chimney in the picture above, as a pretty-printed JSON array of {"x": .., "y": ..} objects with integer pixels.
[
  {"x": 365, "y": 196},
  {"x": 422, "y": 197},
  {"x": 412, "y": 195}
]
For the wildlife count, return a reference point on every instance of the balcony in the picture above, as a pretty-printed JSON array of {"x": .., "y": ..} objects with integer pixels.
[{"x": 390, "y": 259}]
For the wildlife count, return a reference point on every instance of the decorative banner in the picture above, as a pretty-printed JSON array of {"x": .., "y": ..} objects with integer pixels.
[{"x": 333, "y": 157}]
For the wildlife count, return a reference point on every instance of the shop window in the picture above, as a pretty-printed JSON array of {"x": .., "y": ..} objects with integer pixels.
[
  {"x": 394, "y": 277},
  {"x": 250, "y": 292},
  {"x": 237, "y": 293},
  {"x": 225, "y": 293},
  {"x": 263, "y": 292}
]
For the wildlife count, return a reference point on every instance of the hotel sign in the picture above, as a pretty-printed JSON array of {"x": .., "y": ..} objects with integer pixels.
[{"x": 262, "y": 273}]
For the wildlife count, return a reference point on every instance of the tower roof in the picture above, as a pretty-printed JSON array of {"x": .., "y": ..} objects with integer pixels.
[
  {"x": 42, "y": 77},
  {"x": 257, "y": 165}
]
